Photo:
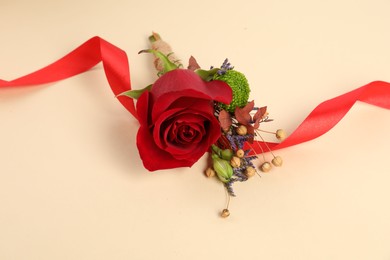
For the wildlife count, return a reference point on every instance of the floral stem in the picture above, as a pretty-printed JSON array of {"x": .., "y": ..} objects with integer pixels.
[{"x": 158, "y": 44}]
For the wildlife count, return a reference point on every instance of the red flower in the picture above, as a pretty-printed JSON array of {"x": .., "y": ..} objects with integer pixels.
[{"x": 177, "y": 122}]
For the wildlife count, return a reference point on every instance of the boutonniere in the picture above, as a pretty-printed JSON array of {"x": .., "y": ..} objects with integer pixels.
[{"x": 189, "y": 111}]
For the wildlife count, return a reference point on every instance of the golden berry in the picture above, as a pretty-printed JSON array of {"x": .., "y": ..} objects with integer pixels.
[
  {"x": 265, "y": 167},
  {"x": 250, "y": 171},
  {"x": 277, "y": 161},
  {"x": 235, "y": 162},
  {"x": 240, "y": 153},
  {"x": 241, "y": 130},
  {"x": 280, "y": 134},
  {"x": 225, "y": 213},
  {"x": 210, "y": 172}
]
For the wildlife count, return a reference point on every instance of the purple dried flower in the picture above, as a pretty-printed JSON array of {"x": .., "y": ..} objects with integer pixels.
[
  {"x": 225, "y": 67},
  {"x": 229, "y": 188},
  {"x": 251, "y": 158},
  {"x": 231, "y": 141}
]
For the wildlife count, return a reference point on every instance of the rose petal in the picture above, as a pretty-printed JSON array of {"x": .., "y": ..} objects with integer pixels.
[
  {"x": 179, "y": 99},
  {"x": 182, "y": 79},
  {"x": 184, "y": 132},
  {"x": 158, "y": 126},
  {"x": 192, "y": 99},
  {"x": 169, "y": 118},
  {"x": 213, "y": 134},
  {"x": 143, "y": 108},
  {"x": 206, "y": 123},
  {"x": 153, "y": 157},
  {"x": 219, "y": 91},
  {"x": 189, "y": 133}
]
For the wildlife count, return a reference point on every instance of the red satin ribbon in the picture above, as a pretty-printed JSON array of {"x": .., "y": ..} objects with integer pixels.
[
  {"x": 327, "y": 114},
  {"x": 324, "y": 117},
  {"x": 81, "y": 59}
]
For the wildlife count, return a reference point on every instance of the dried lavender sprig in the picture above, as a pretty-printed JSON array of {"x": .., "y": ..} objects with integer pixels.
[
  {"x": 239, "y": 170},
  {"x": 250, "y": 163},
  {"x": 241, "y": 177},
  {"x": 239, "y": 140},
  {"x": 229, "y": 188},
  {"x": 231, "y": 141},
  {"x": 229, "y": 185},
  {"x": 251, "y": 158},
  {"x": 225, "y": 67},
  {"x": 243, "y": 137}
]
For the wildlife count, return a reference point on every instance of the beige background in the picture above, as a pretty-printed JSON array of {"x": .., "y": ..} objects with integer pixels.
[{"x": 72, "y": 185}]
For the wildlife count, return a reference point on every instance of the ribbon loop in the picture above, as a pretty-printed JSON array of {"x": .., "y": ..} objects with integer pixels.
[{"x": 83, "y": 58}]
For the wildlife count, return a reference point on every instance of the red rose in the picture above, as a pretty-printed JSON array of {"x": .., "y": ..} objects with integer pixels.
[{"x": 177, "y": 122}]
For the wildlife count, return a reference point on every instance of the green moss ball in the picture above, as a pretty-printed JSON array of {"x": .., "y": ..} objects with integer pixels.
[{"x": 240, "y": 86}]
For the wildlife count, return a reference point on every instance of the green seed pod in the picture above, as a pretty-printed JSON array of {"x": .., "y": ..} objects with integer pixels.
[
  {"x": 226, "y": 154},
  {"x": 223, "y": 169}
]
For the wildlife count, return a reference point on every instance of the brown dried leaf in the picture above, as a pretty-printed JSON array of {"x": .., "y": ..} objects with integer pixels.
[
  {"x": 225, "y": 120},
  {"x": 242, "y": 114},
  {"x": 260, "y": 114},
  {"x": 193, "y": 64},
  {"x": 250, "y": 131}
]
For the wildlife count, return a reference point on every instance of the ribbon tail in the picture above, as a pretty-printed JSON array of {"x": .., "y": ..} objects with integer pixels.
[
  {"x": 83, "y": 58},
  {"x": 327, "y": 114}
]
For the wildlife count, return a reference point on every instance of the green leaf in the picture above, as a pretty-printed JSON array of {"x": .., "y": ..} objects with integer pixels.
[
  {"x": 216, "y": 149},
  {"x": 167, "y": 64},
  {"x": 206, "y": 75},
  {"x": 136, "y": 93}
]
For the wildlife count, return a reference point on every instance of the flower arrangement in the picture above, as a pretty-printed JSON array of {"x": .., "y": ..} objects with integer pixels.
[{"x": 188, "y": 112}]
